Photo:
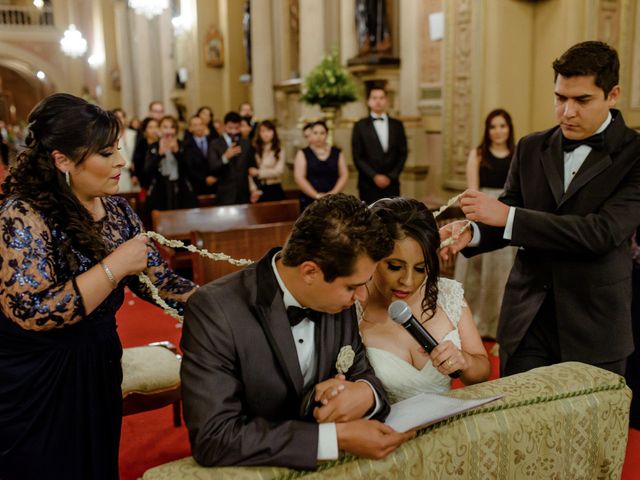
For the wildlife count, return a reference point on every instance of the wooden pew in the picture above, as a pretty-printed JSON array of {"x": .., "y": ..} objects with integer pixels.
[
  {"x": 178, "y": 224},
  {"x": 250, "y": 242}
]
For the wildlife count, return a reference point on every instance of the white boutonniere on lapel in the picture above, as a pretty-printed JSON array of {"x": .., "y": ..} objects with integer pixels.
[{"x": 346, "y": 355}]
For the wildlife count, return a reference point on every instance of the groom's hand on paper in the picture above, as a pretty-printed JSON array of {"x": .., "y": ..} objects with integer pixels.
[
  {"x": 370, "y": 438},
  {"x": 342, "y": 401}
]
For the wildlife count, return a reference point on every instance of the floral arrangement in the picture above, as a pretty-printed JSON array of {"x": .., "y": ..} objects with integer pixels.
[{"x": 329, "y": 84}]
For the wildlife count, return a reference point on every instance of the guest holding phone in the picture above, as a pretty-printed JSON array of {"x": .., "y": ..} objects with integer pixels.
[
  {"x": 230, "y": 158},
  {"x": 165, "y": 165}
]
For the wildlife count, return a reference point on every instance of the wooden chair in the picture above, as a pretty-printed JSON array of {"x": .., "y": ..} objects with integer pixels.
[
  {"x": 178, "y": 224},
  {"x": 151, "y": 379},
  {"x": 250, "y": 242}
]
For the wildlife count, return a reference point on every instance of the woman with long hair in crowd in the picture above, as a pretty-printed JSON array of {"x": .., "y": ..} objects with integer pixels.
[
  {"x": 484, "y": 276},
  {"x": 270, "y": 161},
  {"x": 68, "y": 249}
]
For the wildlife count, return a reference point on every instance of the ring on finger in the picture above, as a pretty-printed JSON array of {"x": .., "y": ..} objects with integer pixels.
[{"x": 449, "y": 363}]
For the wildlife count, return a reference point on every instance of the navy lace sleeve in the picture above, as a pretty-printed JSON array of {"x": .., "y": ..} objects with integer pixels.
[
  {"x": 174, "y": 289},
  {"x": 35, "y": 292}
]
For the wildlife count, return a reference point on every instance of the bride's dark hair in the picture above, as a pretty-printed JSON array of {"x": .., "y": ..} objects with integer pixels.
[
  {"x": 406, "y": 217},
  {"x": 77, "y": 129}
]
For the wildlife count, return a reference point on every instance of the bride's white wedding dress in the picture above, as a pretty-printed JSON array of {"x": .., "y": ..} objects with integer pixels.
[{"x": 402, "y": 380}]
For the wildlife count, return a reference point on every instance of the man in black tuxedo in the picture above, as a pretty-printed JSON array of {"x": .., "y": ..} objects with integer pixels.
[
  {"x": 196, "y": 155},
  {"x": 230, "y": 157},
  {"x": 379, "y": 149},
  {"x": 571, "y": 203},
  {"x": 263, "y": 345}
]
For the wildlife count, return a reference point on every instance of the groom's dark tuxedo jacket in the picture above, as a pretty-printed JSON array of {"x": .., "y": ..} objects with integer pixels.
[
  {"x": 574, "y": 244},
  {"x": 241, "y": 380}
]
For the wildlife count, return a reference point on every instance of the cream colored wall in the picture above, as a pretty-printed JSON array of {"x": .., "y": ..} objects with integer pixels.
[
  {"x": 557, "y": 25},
  {"x": 506, "y": 62}
]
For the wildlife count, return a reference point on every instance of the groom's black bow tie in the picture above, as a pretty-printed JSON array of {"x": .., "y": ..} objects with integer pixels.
[
  {"x": 594, "y": 141},
  {"x": 377, "y": 118},
  {"x": 297, "y": 314}
]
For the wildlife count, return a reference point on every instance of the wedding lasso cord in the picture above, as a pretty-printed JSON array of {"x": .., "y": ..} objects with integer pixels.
[
  {"x": 451, "y": 240},
  {"x": 155, "y": 293}
]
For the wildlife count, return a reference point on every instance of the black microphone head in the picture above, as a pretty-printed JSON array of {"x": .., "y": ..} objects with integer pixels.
[{"x": 399, "y": 311}]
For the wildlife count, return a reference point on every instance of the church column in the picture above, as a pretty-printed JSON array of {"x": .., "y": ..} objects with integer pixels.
[
  {"x": 262, "y": 59},
  {"x": 348, "y": 50},
  {"x": 410, "y": 57},
  {"x": 312, "y": 41}
]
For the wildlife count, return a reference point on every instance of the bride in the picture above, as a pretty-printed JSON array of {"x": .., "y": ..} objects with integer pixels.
[{"x": 411, "y": 274}]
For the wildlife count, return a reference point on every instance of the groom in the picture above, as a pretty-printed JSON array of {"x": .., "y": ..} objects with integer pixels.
[{"x": 260, "y": 378}]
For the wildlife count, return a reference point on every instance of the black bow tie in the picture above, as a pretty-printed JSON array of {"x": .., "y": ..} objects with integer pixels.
[
  {"x": 594, "y": 141},
  {"x": 378, "y": 118},
  {"x": 297, "y": 314}
]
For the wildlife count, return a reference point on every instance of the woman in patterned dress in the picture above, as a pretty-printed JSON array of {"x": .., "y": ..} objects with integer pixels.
[{"x": 67, "y": 251}]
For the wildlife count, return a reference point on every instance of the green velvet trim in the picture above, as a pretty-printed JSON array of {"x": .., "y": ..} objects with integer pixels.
[{"x": 477, "y": 411}]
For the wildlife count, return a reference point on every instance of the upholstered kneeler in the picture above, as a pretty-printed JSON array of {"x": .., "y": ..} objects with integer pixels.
[
  {"x": 565, "y": 421},
  {"x": 151, "y": 379}
]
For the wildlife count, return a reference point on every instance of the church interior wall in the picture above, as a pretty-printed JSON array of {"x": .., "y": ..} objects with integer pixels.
[{"x": 495, "y": 53}]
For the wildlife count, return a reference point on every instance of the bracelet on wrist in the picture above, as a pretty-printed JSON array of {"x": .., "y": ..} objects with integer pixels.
[{"x": 109, "y": 274}]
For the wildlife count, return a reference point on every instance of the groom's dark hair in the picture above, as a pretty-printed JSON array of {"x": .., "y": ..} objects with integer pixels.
[{"x": 333, "y": 232}]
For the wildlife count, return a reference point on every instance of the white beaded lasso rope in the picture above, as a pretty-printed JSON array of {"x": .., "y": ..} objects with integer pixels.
[
  {"x": 155, "y": 293},
  {"x": 451, "y": 240}
]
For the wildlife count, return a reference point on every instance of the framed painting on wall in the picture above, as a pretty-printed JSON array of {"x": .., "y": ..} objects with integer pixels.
[{"x": 214, "y": 48}]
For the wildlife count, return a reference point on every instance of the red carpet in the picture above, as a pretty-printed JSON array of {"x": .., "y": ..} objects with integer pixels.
[{"x": 150, "y": 439}]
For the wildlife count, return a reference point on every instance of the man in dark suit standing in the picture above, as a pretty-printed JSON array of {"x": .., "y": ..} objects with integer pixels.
[
  {"x": 261, "y": 381},
  {"x": 379, "y": 149},
  {"x": 230, "y": 157},
  {"x": 196, "y": 155},
  {"x": 571, "y": 203}
]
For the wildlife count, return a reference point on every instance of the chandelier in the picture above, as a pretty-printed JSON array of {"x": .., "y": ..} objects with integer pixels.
[
  {"x": 72, "y": 43},
  {"x": 149, "y": 8}
]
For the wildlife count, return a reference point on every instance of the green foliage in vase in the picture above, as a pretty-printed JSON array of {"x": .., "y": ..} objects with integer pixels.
[{"x": 329, "y": 84}]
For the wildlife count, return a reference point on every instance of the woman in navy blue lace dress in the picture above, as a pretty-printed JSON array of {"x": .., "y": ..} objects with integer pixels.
[{"x": 67, "y": 250}]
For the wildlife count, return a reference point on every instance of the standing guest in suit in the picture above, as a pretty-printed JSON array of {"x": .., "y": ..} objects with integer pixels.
[
  {"x": 379, "y": 149},
  {"x": 270, "y": 161},
  {"x": 319, "y": 169},
  {"x": 571, "y": 203},
  {"x": 230, "y": 158},
  {"x": 261, "y": 344},
  {"x": 484, "y": 276},
  {"x": 246, "y": 111},
  {"x": 196, "y": 157},
  {"x": 206, "y": 115}
]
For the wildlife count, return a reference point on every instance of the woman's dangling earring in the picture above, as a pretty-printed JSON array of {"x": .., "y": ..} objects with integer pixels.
[{"x": 67, "y": 177}]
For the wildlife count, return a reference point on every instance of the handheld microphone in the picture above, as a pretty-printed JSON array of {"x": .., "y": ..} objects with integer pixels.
[{"x": 400, "y": 313}]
